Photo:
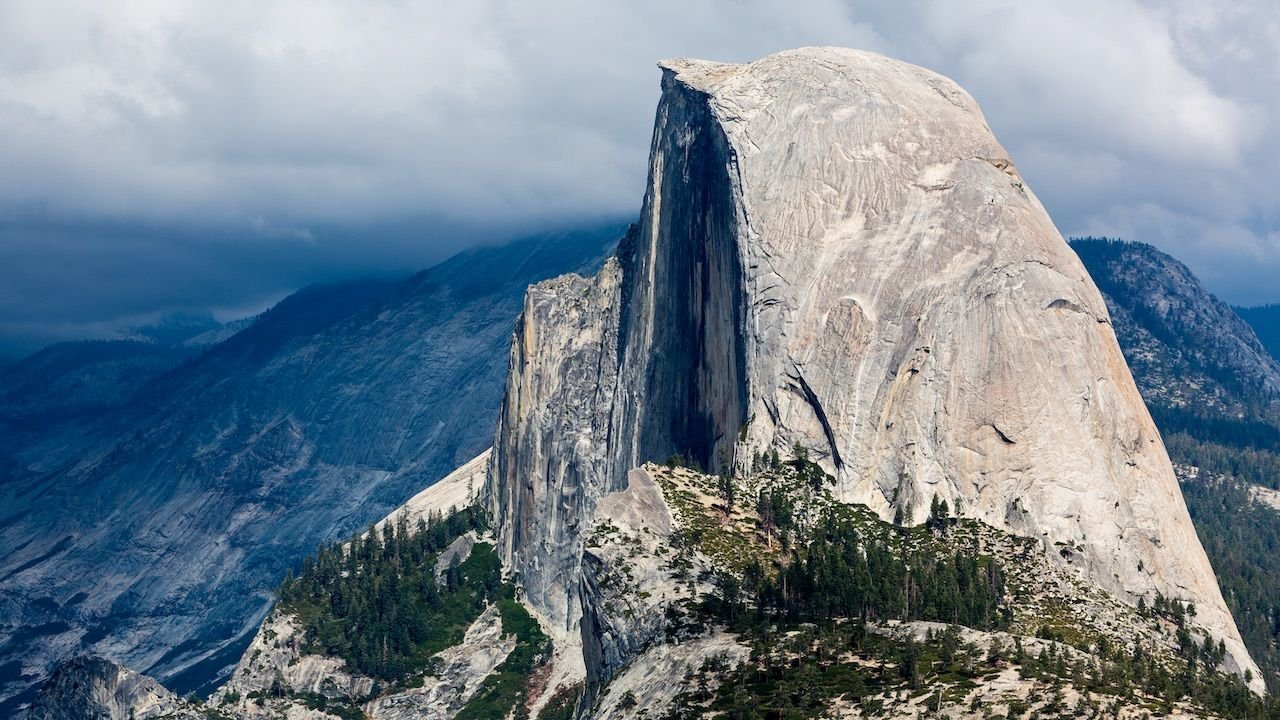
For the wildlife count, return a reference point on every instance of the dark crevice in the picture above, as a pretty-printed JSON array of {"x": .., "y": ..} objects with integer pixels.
[
  {"x": 591, "y": 633},
  {"x": 812, "y": 398},
  {"x": 1008, "y": 440}
]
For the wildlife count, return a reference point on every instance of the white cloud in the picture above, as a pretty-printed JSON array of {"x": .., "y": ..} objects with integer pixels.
[
  {"x": 1091, "y": 70},
  {"x": 280, "y": 116}
]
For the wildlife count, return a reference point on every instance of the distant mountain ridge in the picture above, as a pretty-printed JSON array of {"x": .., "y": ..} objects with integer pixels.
[
  {"x": 173, "y": 328},
  {"x": 1182, "y": 343},
  {"x": 89, "y": 376},
  {"x": 151, "y": 526},
  {"x": 1265, "y": 321},
  {"x": 80, "y": 377}
]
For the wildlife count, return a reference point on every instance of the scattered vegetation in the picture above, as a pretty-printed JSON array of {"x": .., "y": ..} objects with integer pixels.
[
  {"x": 379, "y": 603},
  {"x": 1254, "y": 466},
  {"x": 840, "y": 571},
  {"x": 1265, "y": 321},
  {"x": 376, "y": 603},
  {"x": 562, "y": 704},
  {"x": 1232, "y": 429},
  {"x": 819, "y": 586},
  {"x": 799, "y": 555},
  {"x": 342, "y": 708},
  {"x": 1242, "y": 539}
]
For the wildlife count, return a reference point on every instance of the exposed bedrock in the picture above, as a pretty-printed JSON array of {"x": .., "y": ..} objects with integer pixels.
[{"x": 834, "y": 250}]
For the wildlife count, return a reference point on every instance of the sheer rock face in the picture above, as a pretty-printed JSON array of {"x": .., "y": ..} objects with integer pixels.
[
  {"x": 549, "y": 466},
  {"x": 834, "y": 250}
]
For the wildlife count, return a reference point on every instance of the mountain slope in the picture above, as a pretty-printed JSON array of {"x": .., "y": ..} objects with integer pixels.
[
  {"x": 1185, "y": 346},
  {"x": 86, "y": 379},
  {"x": 1204, "y": 376},
  {"x": 662, "y": 561},
  {"x": 1265, "y": 321},
  {"x": 153, "y": 534},
  {"x": 79, "y": 378}
]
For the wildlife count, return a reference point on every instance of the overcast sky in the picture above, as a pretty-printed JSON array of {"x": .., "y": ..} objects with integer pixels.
[{"x": 163, "y": 155}]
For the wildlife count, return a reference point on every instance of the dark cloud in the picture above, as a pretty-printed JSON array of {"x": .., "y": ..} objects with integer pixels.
[{"x": 171, "y": 154}]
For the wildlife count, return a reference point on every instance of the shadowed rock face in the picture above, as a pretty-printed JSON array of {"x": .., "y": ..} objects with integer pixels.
[
  {"x": 684, "y": 302},
  {"x": 834, "y": 250}
]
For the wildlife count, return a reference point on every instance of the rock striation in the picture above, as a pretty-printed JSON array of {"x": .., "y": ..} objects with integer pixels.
[{"x": 835, "y": 252}]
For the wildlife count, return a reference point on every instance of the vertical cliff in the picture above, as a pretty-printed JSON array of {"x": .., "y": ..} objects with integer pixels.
[
  {"x": 551, "y": 465},
  {"x": 835, "y": 251}
]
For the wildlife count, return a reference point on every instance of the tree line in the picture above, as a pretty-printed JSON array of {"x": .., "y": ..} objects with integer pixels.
[{"x": 376, "y": 602}]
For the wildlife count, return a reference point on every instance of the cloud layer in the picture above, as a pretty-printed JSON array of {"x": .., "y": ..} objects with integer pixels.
[{"x": 237, "y": 149}]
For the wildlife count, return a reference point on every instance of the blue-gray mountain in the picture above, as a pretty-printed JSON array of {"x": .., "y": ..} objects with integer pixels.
[
  {"x": 1265, "y": 321},
  {"x": 1210, "y": 385},
  {"x": 1185, "y": 347},
  {"x": 153, "y": 494}
]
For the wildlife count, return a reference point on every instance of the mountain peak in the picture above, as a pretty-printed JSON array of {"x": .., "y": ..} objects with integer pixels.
[{"x": 836, "y": 254}]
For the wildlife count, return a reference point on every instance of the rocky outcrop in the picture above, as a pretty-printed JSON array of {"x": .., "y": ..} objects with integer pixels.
[
  {"x": 276, "y": 675},
  {"x": 93, "y": 687},
  {"x": 549, "y": 466},
  {"x": 652, "y": 681},
  {"x": 638, "y": 579},
  {"x": 835, "y": 254},
  {"x": 463, "y": 669},
  {"x": 834, "y": 251},
  {"x": 276, "y": 663},
  {"x": 452, "y": 492}
]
